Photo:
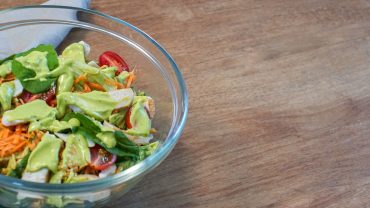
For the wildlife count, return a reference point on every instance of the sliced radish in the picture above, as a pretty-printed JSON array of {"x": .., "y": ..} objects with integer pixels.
[
  {"x": 5, "y": 121},
  {"x": 18, "y": 88},
  {"x": 110, "y": 126},
  {"x": 40, "y": 176},
  {"x": 140, "y": 139},
  {"x": 62, "y": 136},
  {"x": 86, "y": 46},
  {"x": 108, "y": 171},
  {"x": 124, "y": 97},
  {"x": 90, "y": 143},
  {"x": 75, "y": 108},
  {"x": 150, "y": 106},
  {"x": 93, "y": 64}
]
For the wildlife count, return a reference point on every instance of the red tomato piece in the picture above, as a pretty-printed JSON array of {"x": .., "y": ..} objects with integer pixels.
[
  {"x": 100, "y": 158},
  {"x": 28, "y": 97},
  {"x": 48, "y": 96},
  {"x": 111, "y": 58}
]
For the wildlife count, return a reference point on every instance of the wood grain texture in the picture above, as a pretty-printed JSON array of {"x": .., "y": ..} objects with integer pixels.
[{"x": 279, "y": 102}]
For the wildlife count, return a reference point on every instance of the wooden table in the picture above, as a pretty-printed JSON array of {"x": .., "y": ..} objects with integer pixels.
[{"x": 279, "y": 102}]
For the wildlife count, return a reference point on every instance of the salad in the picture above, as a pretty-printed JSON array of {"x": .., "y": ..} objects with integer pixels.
[{"x": 67, "y": 120}]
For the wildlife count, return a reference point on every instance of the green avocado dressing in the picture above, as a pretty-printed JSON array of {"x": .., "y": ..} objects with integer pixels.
[
  {"x": 36, "y": 61},
  {"x": 71, "y": 61},
  {"x": 72, "y": 64},
  {"x": 5, "y": 68},
  {"x": 75, "y": 52},
  {"x": 76, "y": 153},
  {"x": 40, "y": 116},
  {"x": 65, "y": 82},
  {"x": 6, "y": 94},
  {"x": 53, "y": 125},
  {"x": 96, "y": 104},
  {"x": 45, "y": 155},
  {"x": 139, "y": 118},
  {"x": 32, "y": 111}
]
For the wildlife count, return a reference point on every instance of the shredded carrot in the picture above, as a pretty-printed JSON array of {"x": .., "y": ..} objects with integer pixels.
[
  {"x": 130, "y": 79},
  {"x": 114, "y": 83},
  {"x": 119, "y": 85},
  {"x": 96, "y": 86},
  {"x": 86, "y": 88},
  {"x": 80, "y": 78},
  {"x": 110, "y": 82},
  {"x": 13, "y": 140}
]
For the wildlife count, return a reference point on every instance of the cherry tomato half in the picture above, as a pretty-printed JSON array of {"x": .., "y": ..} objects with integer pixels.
[
  {"x": 28, "y": 97},
  {"x": 111, "y": 58},
  {"x": 101, "y": 158},
  {"x": 48, "y": 96}
]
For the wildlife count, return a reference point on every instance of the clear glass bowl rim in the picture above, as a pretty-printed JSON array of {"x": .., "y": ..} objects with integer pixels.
[{"x": 137, "y": 170}]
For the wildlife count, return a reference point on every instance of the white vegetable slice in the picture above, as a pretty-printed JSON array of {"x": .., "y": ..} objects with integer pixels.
[
  {"x": 62, "y": 136},
  {"x": 92, "y": 196},
  {"x": 93, "y": 64},
  {"x": 110, "y": 126},
  {"x": 150, "y": 106},
  {"x": 123, "y": 96},
  {"x": 107, "y": 172},
  {"x": 5, "y": 121},
  {"x": 18, "y": 88},
  {"x": 86, "y": 46},
  {"x": 40, "y": 176},
  {"x": 75, "y": 109},
  {"x": 140, "y": 139},
  {"x": 90, "y": 143}
]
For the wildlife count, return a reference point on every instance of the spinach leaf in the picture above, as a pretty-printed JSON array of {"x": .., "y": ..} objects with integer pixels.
[
  {"x": 124, "y": 147},
  {"x": 33, "y": 86},
  {"x": 85, "y": 122},
  {"x": 124, "y": 143},
  {"x": 22, "y": 73},
  {"x": 115, "y": 150},
  {"x": 52, "y": 55},
  {"x": 17, "y": 172}
]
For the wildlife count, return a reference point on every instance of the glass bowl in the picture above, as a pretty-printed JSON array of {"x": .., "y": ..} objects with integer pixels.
[{"x": 157, "y": 75}]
